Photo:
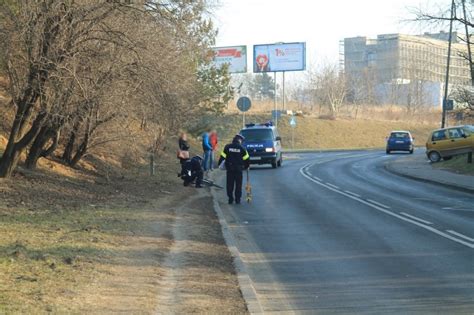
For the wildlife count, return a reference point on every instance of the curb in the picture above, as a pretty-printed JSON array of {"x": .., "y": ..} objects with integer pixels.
[
  {"x": 245, "y": 283},
  {"x": 288, "y": 151},
  {"x": 391, "y": 170}
]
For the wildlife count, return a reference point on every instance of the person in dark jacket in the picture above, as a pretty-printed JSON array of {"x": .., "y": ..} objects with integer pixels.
[
  {"x": 236, "y": 160},
  {"x": 192, "y": 171},
  {"x": 207, "y": 148},
  {"x": 183, "y": 146}
]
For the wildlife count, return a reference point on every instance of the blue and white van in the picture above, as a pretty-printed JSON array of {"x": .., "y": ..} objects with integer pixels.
[{"x": 263, "y": 144}]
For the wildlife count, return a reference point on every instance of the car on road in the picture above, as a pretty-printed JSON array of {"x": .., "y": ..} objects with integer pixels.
[
  {"x": 446, "y": 142},
  {"x": 263, "y": 144},
  {"x": 400, "y": 141}
]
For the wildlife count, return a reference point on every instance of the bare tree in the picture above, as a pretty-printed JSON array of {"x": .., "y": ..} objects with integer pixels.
[
  {"x": 463, "y": 16},
  {"x": 329, "y": 85}
]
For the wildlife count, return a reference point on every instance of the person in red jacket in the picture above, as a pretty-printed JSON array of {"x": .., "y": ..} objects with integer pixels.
[{"x": 213, "y": 140}]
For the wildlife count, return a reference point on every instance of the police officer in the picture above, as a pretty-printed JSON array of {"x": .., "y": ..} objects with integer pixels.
[
  {"x": 236, "y": 160},
  {"x": 192, "y": 170}
]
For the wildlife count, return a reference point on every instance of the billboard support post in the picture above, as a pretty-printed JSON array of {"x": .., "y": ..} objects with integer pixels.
[
  {"x": 284, "y": 97},
  {"x": 275, "y": 96}
]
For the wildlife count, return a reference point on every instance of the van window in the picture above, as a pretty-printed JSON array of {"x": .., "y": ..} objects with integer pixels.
[
  {"x": 439, "y": 135},
  {"x": 257, "y": 134}
]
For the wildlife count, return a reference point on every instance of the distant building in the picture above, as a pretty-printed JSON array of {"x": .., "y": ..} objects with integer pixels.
[{"x": 404, "y": 68}]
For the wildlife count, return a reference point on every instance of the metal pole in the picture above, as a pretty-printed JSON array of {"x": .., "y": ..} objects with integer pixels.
[
  {"x": 243, "y": 120},
  {"x": 275, "y": 97},
  {"x": 292, "y": 138},
  {"x": 284, "y": 99},
  {"x": 445, "y": 99},
  {"x": 152, "y": 164},
  {"x": 468, "y": 42}
]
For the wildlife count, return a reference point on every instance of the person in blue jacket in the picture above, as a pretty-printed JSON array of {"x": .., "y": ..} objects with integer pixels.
[{"x": 207, "y": 148}]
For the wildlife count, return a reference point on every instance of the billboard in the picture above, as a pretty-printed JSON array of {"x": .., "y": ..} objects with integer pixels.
[
  {"x": 279, "y": 57},
  {"x": 235, "y": 56}
]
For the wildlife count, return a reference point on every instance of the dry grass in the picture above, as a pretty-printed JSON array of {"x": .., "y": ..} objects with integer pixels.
[
  {"x": 320, "y": 134},
  {"x": 457, "y": 164},
  {"x": 95, "y": 239},
  {"x": 373, "y": 112}
]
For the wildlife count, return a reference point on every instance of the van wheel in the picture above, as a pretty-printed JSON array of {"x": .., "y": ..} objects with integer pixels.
[
  {"x": 434, "y": 156},
  {"x": 411, "y": 151},
  {"x": 387, "y": 151},
  {"x": 280, "y": 162},
  {"x": 274, "y": 164}
]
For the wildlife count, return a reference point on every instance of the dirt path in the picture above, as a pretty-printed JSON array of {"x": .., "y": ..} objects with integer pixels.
[{"x": 199, "y": 262}]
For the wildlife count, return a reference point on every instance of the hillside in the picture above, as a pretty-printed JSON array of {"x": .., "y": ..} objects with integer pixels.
[{"x": 315, "y": 133}]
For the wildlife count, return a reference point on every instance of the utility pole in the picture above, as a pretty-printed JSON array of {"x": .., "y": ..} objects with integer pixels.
[
  {"x": 469, "y": 59},
  {"x": 468, "y": 42},
  {"x": 446, "y": 84}
]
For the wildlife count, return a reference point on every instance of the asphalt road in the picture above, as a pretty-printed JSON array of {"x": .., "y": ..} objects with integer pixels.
[{"x": 337, "y": 233}]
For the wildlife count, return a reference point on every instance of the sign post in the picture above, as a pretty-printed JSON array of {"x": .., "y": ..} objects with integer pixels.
[
  {"x": 293, "y": 126},
  {"x": 244, "y": 104}
]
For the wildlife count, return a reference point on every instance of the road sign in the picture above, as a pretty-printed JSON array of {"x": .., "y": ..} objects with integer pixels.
[
  {"x": 276, "y": 114},
  {"x": 448, "y": 104},
  {"x": 244, "y": 104},
  {"x": 293, "y": 121}
]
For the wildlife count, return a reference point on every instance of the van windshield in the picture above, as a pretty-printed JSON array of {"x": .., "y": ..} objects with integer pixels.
[{"x": 257, "y": 134}]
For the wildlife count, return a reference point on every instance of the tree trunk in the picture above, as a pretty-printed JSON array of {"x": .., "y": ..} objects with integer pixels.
[
  {"x": 10, "y": 157},
  {"x": 81, "y": 151},
  {"x": 37, "y": 149},
  {"x": 68, "y": 150}
]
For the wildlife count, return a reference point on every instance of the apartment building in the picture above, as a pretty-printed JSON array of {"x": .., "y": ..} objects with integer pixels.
[{"x": 397, "y": 62}]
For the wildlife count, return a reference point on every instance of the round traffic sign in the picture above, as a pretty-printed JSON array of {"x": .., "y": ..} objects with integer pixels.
[
  {"x": 293, "y": 122},
  {"x": 244, "y": 103}
]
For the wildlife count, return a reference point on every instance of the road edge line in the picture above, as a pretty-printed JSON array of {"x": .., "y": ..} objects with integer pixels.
[{"x": 245, "y": 283}]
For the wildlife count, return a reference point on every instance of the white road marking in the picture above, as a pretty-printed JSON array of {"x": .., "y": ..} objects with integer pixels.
[
  {"x": 415, "y": 218},
  {"x": 460, "y": 235},
  {"x": 351, "y": 193},
  {"x": 317, "y": 178},
  {"x": 426, "y": 227},
  {"x": 329, "y": 184},
  {"x": 378, "y": 204}
]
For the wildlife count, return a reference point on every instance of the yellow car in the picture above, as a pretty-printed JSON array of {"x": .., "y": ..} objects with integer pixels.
[{"x": 446, "y": 142}]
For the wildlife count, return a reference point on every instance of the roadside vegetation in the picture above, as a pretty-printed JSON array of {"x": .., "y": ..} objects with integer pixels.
[
  {"x": 312, "y": 132},
  {"x": 457, "y": 164}
]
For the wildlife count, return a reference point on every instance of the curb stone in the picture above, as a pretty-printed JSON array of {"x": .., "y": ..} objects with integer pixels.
[{"x": 245, "y": 283}]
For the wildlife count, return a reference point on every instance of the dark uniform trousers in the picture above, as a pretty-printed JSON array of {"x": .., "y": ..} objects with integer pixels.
[
  {"x": 236, "y": 160},
  {"x": 234, "y": 181}
]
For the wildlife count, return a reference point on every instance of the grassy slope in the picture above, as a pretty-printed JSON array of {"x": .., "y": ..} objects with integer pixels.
[
  {"x": 95, "y": 239},
  {"x": 457, "y": 164},
  {"x": 314, "y": 133}
]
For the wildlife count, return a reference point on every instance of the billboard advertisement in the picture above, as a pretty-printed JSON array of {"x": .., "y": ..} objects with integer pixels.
[
  {"x": 279, "y": 57},
  {"x": 235, "y": 56}
]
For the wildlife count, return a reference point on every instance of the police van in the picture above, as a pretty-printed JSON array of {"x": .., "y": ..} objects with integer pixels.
[{"x": 263, "y": 143}]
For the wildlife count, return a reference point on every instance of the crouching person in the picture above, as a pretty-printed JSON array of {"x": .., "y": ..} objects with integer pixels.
[{"x": 192, "y": 171}]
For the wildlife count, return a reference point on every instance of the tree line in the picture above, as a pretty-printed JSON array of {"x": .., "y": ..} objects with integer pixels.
[{"x": 82, "y": 72}]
